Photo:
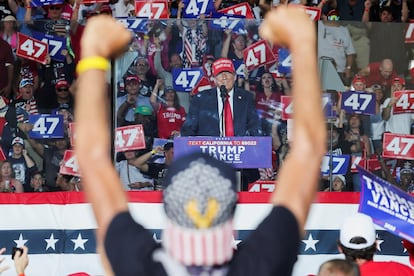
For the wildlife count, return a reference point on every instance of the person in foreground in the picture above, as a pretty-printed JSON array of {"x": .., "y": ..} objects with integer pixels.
[
  {"x": 200, "y": 198},
  {"x": 358, "y": 242}
]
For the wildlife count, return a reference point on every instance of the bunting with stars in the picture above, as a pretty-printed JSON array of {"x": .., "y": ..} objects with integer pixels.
[{"x": 59, "y": 229}]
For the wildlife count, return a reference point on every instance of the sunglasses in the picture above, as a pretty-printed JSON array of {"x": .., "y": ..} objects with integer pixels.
[
  {"x": 55, "y": 8},
  {"x": 63, "y": 89}
]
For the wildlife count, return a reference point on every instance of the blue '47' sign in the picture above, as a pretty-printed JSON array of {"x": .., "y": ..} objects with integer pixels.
[
  {"x": 185, "y": 79},
  {"x": 46, "y": 126},
  {"x": 358, "y": 102},
  {"x": 195, "y": 8},
  {"x": 339, "y": 164}
]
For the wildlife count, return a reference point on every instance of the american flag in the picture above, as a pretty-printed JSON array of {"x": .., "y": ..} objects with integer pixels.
[{"x": 59, "y": 229}]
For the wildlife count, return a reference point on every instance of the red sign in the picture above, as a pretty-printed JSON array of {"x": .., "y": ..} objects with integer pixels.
[
  {"x": 258, "y": 54},
  {"x": 242, "y": 9},
  {"x": 262, "y": 186},
  {"x": 72, "y": 134},
  {"x": 129, "y": 138},
  {"x": 409, "y": 33},
  {"x": 202, "y": 85},
  {"x": 314, "y": 13},
  {"x": 287, "y": 107},
  {"x": 30, "y": 48},
  {"x": 152, "y": 9},
  {"x": 398, "y": 146},
  {"x": 2, "y": 156},
  {"x": 357, "y": 161},
  {"x": 69, "y": 165},
  {"x": 405, "y": 102}
]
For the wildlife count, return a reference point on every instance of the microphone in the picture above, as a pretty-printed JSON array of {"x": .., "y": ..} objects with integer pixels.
[{"x": 223, "y": 92}]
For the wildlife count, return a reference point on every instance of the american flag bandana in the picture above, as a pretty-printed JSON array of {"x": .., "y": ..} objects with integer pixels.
[
  {"x": 194, "y": 247},
  {"x": 195, "y": 46}
]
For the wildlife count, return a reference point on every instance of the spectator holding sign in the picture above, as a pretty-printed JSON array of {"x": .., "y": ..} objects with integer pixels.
[
  {"x": 131, "y": 177},
  {"x": 380, "y": 73},
  {"x": 358, "y": 242},
  {"x": 396, "y": 123},
  {"x": 194, "y": 33},
  {"x": 170, "y": 114}
]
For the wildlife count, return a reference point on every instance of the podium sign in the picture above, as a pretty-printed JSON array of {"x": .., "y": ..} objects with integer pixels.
[{"x": 241, "y": 152}]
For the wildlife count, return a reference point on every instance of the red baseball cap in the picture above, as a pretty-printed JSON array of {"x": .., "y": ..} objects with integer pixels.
[
  {"x": 358, "y": 78},
  {"x": 61, "y": 83},
  {"x": 398, "y": 80},
  {"x": 223, "y": 65},
  {"x": 132, "y": 78}
]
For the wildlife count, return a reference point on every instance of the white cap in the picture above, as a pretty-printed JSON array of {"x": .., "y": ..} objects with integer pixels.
[{"x": 358, "y": 225}]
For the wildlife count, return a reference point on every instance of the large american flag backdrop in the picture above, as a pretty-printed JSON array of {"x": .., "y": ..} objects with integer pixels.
[{"x": 59, "y": 228}]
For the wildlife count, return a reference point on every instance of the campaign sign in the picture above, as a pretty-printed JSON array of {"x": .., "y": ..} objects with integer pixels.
[
  {"x": 258, "y": 54},
  {"x": 284, "y": 65},
  {"x": 409, "y": 33},
  {"x": 137, "y": 25},
  {"x": 357, "y": 161},
  {"x": 241, "y": 152},
  {"x": 339, "y": 164},
  {"x": 203, "y": 84},
  {"x": 69, "y": 165},
  {"x": 399, "y": 146},
  {"x": 56, "y": 44},
  {"x": 30, "y": 48},
  {"x": 313, "y": 12},
  {"x": 195, "y": 8},
  {"x": 239, "y": 66},
  {"x": 185, "y": 79},
  {"x": 40, "y": 3},
  {"x": 243, "y": 9},
  {"x": 129, "y": 138},
  {"x": 228, "y": 22},
  {"x": 388, "y": 206},
  {"x": 261, "y": 187},
  {"x": 152, "y": 10},
  {"x": 404, "y": 103},
  {"x": 358, "y": 102},
  {"x": 72, "y": 134},
  {"x": 46, "y": 126},
  {"x": 287, "y": 106}
]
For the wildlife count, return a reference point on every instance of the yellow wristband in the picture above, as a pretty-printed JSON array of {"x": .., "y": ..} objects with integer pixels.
[
  {"x": 92, "y": 63},
  {"x": 153, "y": 152}
]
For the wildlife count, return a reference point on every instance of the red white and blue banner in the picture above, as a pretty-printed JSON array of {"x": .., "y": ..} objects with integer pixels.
[
  {"x": 241, "y": 152},
  {"x": 59, "y": 229}
]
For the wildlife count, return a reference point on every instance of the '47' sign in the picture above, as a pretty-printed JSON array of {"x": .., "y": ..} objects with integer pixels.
[
  {"x": 195, "y": 8},
  {"x": 186, "y": 79},
  {"x": 258, "y": 54},
  {"x": 404, "y": 103},
  {"x": 69, "y": 165},
  {"x": 358, "y": 102},
  {"x": 30, "y": 48},
  {"x": 129, "y": 138},
  {"x": 339, "y": 164},
  {"x": 287, "y": 106},
  {"x": 242, "y": 9},
  {"x": 398, "y": 146},
  {"x": 409, "y": 33},
  {"x": 152, "y": 10},
  {"x": 46, "y": 126}
]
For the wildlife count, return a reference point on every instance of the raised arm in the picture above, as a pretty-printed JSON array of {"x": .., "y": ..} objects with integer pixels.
[
  {"x": 296, "y": 191},
  {"x": 101, "y": 182}
]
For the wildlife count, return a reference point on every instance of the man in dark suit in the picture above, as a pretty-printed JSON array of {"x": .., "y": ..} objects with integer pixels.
[{"x": 206, "y": 112}]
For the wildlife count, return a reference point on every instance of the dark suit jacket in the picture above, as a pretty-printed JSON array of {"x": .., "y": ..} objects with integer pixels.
[{"x": 203, "y": 116}]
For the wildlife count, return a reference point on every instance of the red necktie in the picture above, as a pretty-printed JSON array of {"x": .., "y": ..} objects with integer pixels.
[{"x": 228, "y": 118}]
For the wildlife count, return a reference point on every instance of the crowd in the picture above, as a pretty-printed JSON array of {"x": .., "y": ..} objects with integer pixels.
[{"x": 148, "y": 91}]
